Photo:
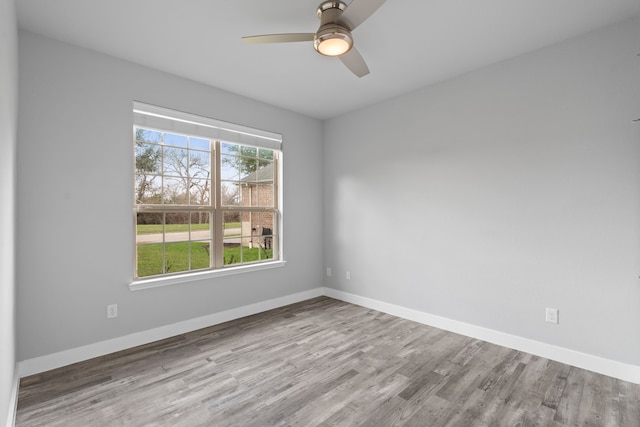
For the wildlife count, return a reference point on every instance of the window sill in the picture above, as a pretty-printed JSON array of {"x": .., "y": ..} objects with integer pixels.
[{"x": 139, "y": 285}]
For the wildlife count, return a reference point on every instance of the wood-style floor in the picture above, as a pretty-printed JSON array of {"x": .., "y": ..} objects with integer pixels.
[{"x": 324, "y": 362}]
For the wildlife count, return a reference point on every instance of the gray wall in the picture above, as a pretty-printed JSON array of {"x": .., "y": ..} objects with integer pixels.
[
  {"x": 491, "y": 196},
  {"x": 483, "y": 199},
  {"x": 75, "y": 222},
  {"x": 8, "y": 139}
]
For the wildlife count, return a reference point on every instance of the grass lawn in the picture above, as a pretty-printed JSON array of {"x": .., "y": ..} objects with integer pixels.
[
  {"x": 238, "y": 254},
  {"x": 174, "y": 228},
  {"x": 177, "y": 257}
]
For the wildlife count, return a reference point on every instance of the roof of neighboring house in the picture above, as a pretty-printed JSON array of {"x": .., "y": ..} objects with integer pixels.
[{"x": 264, "y": 174}]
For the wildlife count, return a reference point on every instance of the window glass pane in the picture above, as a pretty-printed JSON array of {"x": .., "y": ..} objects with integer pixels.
[
  {"x": 200, "y": 226},
  {"x": 175, "y": 162},
  {"x": 176, "y": 227},
  {"x": 231, "y": 224},
  {"x": 263, "y": 222},
  {"x": 149, "y": 236},
  {"x": 149, "y": 223},
  {"x": 248, "y": 168},
  {"x": 229, "y": 168},
  {"x": 245, "y": 192},
  {"x": 200, "y": 254},
  {"x": 176, "y": 257},
  {"x": 266, "y": 166},
  {"x": 174, "y": 191},
  {"x": 146, "y": 135},
  {"x": 256, "y": 194},
  {"x": 230, "y": 194},
  {"x": 228, "y": 148},
  {"x": 200, "y": 192},
  {"x": 150, "y": 259},
  {"x": 264, "y": 197},
  {"x": 265, "y": 154},
  {"x": 232, "y": 253},
  {"x": 199, "y": 164},
  {"x": 199, "y": 144},
  {"x": 177, "y": 247},
  {"x": 249, "y": 151},
  {"x": 247, "y": 228},
  {"x": 148, "y": 157},
  {"x": 148, "y": 189},
  {"x": 232, "y": 238},
  {"x": 153, "y": 197},
  {"x": 175, "y": 140}
]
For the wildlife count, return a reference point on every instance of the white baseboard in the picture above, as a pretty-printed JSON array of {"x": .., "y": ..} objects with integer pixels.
[
  {"x": 79, "y": 354},
  {"x": 13, "y": 399},
  {"x": 612, "y": 368}
]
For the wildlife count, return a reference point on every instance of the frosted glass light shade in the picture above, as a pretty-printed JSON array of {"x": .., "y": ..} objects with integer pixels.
[{"x": 333, "y": 41}]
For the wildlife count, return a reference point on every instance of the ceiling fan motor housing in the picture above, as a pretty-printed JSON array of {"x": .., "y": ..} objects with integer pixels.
[{"x": 332, "y": 39}]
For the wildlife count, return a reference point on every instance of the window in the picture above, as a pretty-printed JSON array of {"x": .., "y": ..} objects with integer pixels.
[{"x": 206, "y": 194}]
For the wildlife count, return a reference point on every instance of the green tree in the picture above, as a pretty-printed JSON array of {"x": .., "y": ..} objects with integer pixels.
[
  {"x": 247, "y": 159},
  {"x": 147, "y": 167}
]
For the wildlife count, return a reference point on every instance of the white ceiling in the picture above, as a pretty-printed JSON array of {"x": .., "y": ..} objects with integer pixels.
[{"x": 407, "y": 43}]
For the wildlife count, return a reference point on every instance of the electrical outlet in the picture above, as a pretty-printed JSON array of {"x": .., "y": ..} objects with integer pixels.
[
  {"x": 552, "y": 315},
  {"x": 328, "y": 271},
  {"x": 112, "y": 311},
  {"x": 348, "y": 275}
]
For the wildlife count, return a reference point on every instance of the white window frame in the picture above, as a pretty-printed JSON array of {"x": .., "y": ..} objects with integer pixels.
[{"x": 166, "y": 120}]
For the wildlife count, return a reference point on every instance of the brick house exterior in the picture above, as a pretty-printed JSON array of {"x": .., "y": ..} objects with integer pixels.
[{"x": 257, "y": 189}]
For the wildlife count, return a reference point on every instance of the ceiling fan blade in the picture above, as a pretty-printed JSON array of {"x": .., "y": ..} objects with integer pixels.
[
  {"x": 358, "y": 11},
  {"x": 355, "y": 62},
  {"x": 279, "y": 38}
]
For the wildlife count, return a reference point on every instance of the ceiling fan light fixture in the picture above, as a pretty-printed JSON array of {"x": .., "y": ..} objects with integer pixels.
[{"x": 333, "y": 41}]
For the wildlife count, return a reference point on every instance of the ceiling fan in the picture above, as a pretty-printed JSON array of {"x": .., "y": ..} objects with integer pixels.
[{"x": 333, "y": 38}]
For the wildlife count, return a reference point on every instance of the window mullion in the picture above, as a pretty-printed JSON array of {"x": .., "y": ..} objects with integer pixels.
[
  {"x": 276, "y": 204},
  {"x": 218, "y": 218},
  {"x": 164, "y": 243},
  {"x": 190, "y": 244}
]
